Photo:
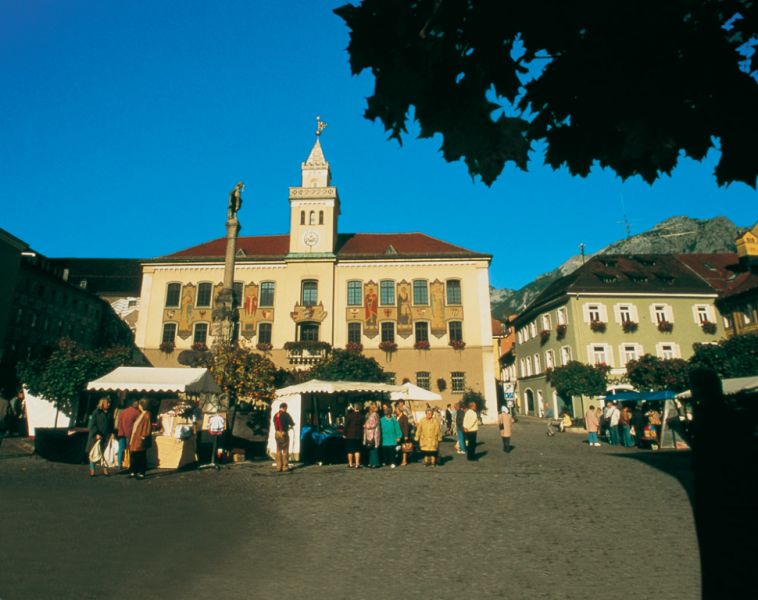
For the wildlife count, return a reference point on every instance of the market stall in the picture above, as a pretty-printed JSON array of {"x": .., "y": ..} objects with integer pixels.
[
  {"x": 417, "y": 399},
  {"x": 180, "y": 396},
  {"x": 661, "y": 411},
  {"x": 318, "y": 408}
]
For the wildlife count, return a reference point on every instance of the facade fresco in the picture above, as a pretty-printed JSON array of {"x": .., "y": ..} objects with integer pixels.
[
  {"x": 370, "y": 302},
  {"x": 404, "y": 312},
  {"x": 301, "y": 314},
  {"x": 438, "y": 326}
]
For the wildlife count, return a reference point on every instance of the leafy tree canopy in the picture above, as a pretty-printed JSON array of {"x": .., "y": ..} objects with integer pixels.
[
  {"x": 471, "y": 396},
  {"x": 651, "y": 373},
  {"x": 64, "y": 375},
  {"x": 631, "y": 86},
  {"x": 348, "y": 366},
  {"x": 242, "y": 373},
  {"x": 733, "y": 357},
  {"x": 579, "y": 379}
]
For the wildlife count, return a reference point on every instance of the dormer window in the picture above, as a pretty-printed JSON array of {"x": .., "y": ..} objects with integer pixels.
[
  {"x": 636, "y": 276},
  {"x": 665, "y": 277},
  {"x": 646, "y": 261},
  {"x": 606, "y": 277},
  {"x": 608, "y": 262}
]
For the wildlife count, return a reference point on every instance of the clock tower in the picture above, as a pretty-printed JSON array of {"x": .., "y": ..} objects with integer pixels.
[{"x": 314, "y": 206}]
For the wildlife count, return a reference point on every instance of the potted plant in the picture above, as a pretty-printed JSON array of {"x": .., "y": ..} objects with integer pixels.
[
  {"x": 311, "y": 346},
  {"x": 708, "y": 327},
  {"x": 544, "y": 336},
  {"x": 560, "y": 331},
  {"x": 421, "y": 345},
  {"x": 199, "y": 346},
  {"x": 263, "y": 346},
  {"x": 629, "y": 326},
  {"x": 355, "y": 347},
  {"x": 167, "y": 347},
  {"x": 457, "y": 344},
  {"x": 388, "y": 347},
  {"x": 597, "y": 326},
  {"x": 665, "y": 326}
]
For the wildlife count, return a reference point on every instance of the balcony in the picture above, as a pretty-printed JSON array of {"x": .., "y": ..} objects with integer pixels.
[{"x": 306, "y": 353}]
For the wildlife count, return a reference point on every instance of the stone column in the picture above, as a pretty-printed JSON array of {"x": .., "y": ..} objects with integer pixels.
[{"x": 224, "y": 313}]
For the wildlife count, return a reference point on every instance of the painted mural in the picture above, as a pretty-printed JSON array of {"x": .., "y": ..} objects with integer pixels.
[
  {"x": 438, "y": 326},
  {"x": 404, "y": 312},
  {"x": 302, "y": 313},
  {"x": 370, "y": 302}
]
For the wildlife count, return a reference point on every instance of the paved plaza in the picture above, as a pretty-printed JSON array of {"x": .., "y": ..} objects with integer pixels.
[{"x": 553, "y": 519}]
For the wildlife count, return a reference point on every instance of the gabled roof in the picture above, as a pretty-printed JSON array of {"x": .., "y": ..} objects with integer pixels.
[
  {"x": 718, "y": 270},
  {"x": 349, "y": 246}
]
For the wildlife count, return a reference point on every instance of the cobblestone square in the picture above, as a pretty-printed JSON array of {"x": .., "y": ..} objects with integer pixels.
[{"x": 553, "y": 519}]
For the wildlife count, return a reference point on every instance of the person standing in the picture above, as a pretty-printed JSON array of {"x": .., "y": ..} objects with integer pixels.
[
  {"x": 470, "y": 429},
  {"x": 625, "y": 420},
  {"x": 353, "y": 435},
  {"x": 448, "y": 420},
  {"x": 591, "y": 423},
  {"x": 638, "y": 424},
  {"x": 505, "y": 424},
  {"x": 140, "y": 440},
  {"x": 391, "y": 436},
  {"x": 282, "y": 424},
  {"x": 124, "y": 425},
  {"x": 459, "y": 414},
  {"x": 406, "y": 446},
  {"x": 100, "y": 430},
  {"x": 614, "y": 414},
  {"x": 372, "y": 436},
  {"x": 428, "y": 436}
]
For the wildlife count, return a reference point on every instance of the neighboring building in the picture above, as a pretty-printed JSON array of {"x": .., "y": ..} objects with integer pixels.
[
  {"x": 611, "y": 310},
  {"x": 40, "y": 307},
  {"x": 739, "y": 302},
  {"x": 503, "y": 345},
  {"x": 316, "y": 284}
]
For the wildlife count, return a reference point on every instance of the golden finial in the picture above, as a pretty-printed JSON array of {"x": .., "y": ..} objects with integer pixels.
[{"x": 320, "y": 125}]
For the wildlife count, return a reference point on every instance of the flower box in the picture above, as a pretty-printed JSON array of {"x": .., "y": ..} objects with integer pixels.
[
  {"x": 544, "y": 336},
  {"x": 708, "y": 327},
  {"x": 354, "y": 347},
  {"x": 457, "y": 344},
  {"x": 629, "y": 326},
  {"x": 167, "y": 347},
  {"x": 598, "y": 326},
  {"x": 421, "y": 345},
  {"x": 199, "y": 346},
  {"x": 560, "y": 331},
  {"x": 665, "y": 326},
  {"x": 263, "y": 346},
  {"x": 388, "y": 346}
]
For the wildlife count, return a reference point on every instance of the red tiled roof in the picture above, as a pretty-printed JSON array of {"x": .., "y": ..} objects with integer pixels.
[
  {"x": 743, "y": 283},
  {"x": 718, "y": 270},
  {"x": 352, "y": 245}
]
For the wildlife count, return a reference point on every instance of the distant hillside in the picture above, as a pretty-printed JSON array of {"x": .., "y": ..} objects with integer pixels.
[{"x": 677, "y": 235}]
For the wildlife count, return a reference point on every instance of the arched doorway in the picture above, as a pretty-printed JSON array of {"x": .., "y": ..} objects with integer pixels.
[{"x": 529, "y": 401}]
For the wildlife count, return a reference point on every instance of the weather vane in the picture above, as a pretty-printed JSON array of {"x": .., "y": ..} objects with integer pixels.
[{"x": 320, "y": 125}]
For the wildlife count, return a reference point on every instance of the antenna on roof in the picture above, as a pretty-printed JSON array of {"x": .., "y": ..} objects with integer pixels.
[
  {"x": 625, "y": 221},
  {"x": 581, "y": 250}
]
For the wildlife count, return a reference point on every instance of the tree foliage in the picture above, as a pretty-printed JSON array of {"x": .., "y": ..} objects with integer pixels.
[
  {"x": 63, "y": 376},
  {"x": 476, "y": 397},
  {"x": 243, "y": 374},
  {"x": 650, "y": 373},
  {"x": 579, "y": 379},
  {"x": 631, "y": 86},
  {"x": 348, "y": 366},
  {"x": 733, "y": 357}
]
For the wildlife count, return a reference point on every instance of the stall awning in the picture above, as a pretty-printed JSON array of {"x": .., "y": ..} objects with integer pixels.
[
  {"x": 730, "y": 387},
  {"x": 316, "y": 386},
  {"x": 414, "y": 392},
  {"x": 149, "y": 379},
  {"x": 640, "y": 396}
]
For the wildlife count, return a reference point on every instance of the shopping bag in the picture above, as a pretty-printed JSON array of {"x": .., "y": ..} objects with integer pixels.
[
  {"x": 126, "y": 463},
  {"x": 110, "y": 456},
  {"x": 96, "y": 454}
]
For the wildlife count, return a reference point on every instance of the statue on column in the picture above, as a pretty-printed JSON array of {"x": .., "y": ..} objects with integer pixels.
[{"x": 235, "y": 200}]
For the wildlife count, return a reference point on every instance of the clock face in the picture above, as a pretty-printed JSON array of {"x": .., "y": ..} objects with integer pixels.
[{"x": 310, "y": 238}]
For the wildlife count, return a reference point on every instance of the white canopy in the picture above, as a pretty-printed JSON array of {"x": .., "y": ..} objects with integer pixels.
[
  {"x": 414, "y": 392},
  {"x": 730, "y": 386},
  {"x": 316, "y": 386},
  {"x": 152, "y": 379}
]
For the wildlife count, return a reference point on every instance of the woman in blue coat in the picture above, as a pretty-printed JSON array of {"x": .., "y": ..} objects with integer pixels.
[{"x": 391, "y": 437}]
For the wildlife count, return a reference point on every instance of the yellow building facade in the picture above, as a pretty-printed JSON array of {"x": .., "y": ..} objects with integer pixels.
[{"x": 418, "y": 305}]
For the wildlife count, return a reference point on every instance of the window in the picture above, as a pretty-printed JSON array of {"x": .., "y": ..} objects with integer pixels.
[
  {"x": 625, "y": 313},
  {"x": 267, "y": 294},
  {"x": 457, "y": 382},
  {"x": 173, "y": 291},
  {"x": 201, "y": 333},
  {"x": 321, "y": 217},
  {"x": 264, "y": 333},
  {"x": 522, "y": 367},
  {"x": 390, "y": 377},
  {"x": 307, "y": 332},
  {"x": 302, "y": 217},
  {"x": 599, "y": 355},
  {"x": 312, "y": 218},
  {"x": 659, "y": 310},
  {"x": 455, "y": 330},
  {"x": 532, "y": 329},
  {"x": 546, "y": 322},
  {"x": 388, "y": 332},
  {"x": 562, "y": 316},
  {"x": 387, "y": 292},
  {"x": 666, "y": 351},
  {"x": 422, "y": 331},
  {"x": 354, "y": 293},
  {"x": 629, "y": 352},
  {"x": 701, "y": 313},
  {"x": 169, "y": 333},
  {"x": 353, "y": 333},
  {"x": 549, "y": 359},
  {"x": 528, "y": 366},
  {"x": 420, "y": 291},
  {"x": 422, "y": 379},
  {"x": 537, "y": 364},
  {"x": 453, "y": 291},
  {"x": 204, "y": 291},
  {"x": 237, "y": 293},
  {"x": 593, "y": 310},
  {"x": 309, "y": 293}
]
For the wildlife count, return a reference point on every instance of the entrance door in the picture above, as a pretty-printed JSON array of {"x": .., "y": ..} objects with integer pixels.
[{"x": 529, "y": 402}]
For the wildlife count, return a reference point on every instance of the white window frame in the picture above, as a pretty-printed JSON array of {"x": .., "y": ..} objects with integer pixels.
[
  {"x": 528, "y": 366},
  {"x": 562, "y": 316},
  {"x": 547, "y": 322},
  {"x": 607, "y": 353},
  {"x": 532, "y": 330},
  {"x": 622, "y": 353},
  {"x": 549, "y": 359},
  {"x": 631, "y": 309},
  {"x": 699, "y": 310},
  {"x": 566, "y": 355},
  {"x": 666, "y": 311},
  {"x": 537, "y": 364},
  {"x": 595, "y": 307},
  {"x": 661, "y": 353}
]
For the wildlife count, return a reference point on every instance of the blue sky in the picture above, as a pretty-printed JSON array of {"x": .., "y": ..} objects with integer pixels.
[{"x": 123, "y": 126}]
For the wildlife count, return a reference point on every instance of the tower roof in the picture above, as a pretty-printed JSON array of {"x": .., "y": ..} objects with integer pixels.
[{"x": 316, "y": 157}]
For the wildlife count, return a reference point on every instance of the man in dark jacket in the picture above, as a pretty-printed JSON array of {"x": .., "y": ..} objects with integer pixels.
[
  {"x": 353, "y": 435},
  {"x": 282, "y": 424}
]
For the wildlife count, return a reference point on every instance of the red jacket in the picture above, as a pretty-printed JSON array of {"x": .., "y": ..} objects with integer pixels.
[{"x": 126, "y": 419}]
